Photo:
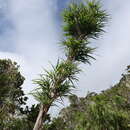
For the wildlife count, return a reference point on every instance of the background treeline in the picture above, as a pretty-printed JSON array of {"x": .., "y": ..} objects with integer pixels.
[{"x": 109, "y": 110}]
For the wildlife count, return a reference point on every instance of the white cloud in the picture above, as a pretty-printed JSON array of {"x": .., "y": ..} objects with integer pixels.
[{"x": 34, "y": 36}]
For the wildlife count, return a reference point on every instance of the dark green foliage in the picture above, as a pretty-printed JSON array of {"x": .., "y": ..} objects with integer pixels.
[
  {"x": 12, "y": 114},
  {"x": 78, "y": 50},
  {"x": 56, "y": 83},
  {"x": 10, "y": 81},
  {"x": 18, "y": 124},
  {"x": 84, "y": 20},
  {"x": 11, "y": 93}
]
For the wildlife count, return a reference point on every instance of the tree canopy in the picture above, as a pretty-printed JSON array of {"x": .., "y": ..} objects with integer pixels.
[{"x": 11, "y": 93}]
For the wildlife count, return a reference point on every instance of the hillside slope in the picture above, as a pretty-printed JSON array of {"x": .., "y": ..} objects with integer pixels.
[{"x": 109, "y": 110}]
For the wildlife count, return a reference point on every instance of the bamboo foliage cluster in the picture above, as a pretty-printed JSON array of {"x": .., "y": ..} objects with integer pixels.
[
  {"x": 56, "y": 83},
  {"x": 78, "y": 50},
  {"x": 82, "y": 21}
]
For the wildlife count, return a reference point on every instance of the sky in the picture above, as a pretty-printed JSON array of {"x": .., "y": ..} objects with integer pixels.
[{"x": 30, "y": 31}]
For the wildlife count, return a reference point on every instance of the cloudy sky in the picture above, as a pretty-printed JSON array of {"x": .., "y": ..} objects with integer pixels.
[{"x": 31, "y": 29}]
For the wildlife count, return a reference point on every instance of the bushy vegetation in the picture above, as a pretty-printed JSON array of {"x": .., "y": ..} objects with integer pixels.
[
  {"x": 11, "y": 94},
  {"x": 109, "y": 110}
]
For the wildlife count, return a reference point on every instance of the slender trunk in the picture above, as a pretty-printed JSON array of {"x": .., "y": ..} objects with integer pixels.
[
  {"x": 41, "y": 117},
  {"x": 39, "y": 121}
]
